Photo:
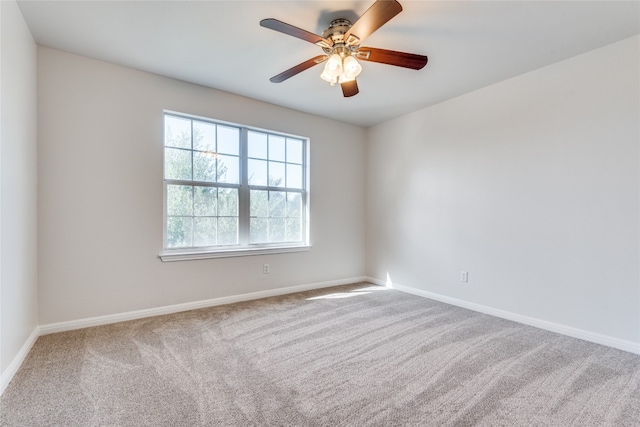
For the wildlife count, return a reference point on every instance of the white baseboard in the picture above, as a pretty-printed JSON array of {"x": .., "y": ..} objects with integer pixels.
[
  {"x": 15, "y": 364},
  {"x": 176, "y": 308},
  {"x": 630, "y": 346}
]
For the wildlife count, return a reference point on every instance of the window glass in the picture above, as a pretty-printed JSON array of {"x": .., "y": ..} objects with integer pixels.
[
  {"x": 177, "y": 164},
  {"x": 257, "y": 170},
  {"x": 204, "y": 137},
  {"x": 205, "y": 231},
  {"x": 205, "y": 201},
  {"x": 227, "y": 231},
  {"x": 276, "y": 174},
  {"x": 294, "y": 150},
  {"x": 293, "y": 230},
  {"x": 179, "y": 231},
  {"x": 204, "y": 166},
  {"x": 294, "y": 176},
  {"x": 227, "y": 202},
  {"x": 277, "y": 229},
  {"x": 259, "y": 204},
  {"x": 177, "y": 132},
  {"x": 259, "y": 230},
  {"x": 229, "y": 169},
  {"x": 228, "y": 140},
  {"x": 277, "y": 148},
  {"x": 179, "y": 200},
  {"x": 294, "y": 205},
  {"x": 277, "y": 203},
  {"x": 257, "y": 145}
]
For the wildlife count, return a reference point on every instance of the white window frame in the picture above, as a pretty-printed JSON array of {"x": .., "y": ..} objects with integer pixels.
[{"x": 243, "y": 248}]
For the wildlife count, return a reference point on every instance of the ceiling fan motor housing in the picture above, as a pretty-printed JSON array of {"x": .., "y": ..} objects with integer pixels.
[{"x": 335, "y": 33}]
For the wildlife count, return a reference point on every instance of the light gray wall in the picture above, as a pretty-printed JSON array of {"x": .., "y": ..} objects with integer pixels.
[
  {"x": 100, "y": 193},
  {"x": 531, "y": 185},
  {"x": 18, "y": 184}
]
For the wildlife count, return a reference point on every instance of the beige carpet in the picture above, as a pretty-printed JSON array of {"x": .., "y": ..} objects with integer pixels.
[{"x": 347, "y": 356}]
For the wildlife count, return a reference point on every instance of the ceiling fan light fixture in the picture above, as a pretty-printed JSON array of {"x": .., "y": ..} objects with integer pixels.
[
  {"x": 327, "y": 77},
  {"x": 332, "y": 69},
  {"x": 351, "y": 68},
  {"x": 334, "y": 65}
]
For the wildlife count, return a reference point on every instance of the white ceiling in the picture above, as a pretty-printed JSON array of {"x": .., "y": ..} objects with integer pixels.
[{"x": 220, "y": 44}]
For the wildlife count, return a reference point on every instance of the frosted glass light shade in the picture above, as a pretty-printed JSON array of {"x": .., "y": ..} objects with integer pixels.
[
  {"x": 334, "y": 65},
  {"x": 351, "y": 68},
  {"x": 328, "y": 78},
  {"x": 332, "y": 69}
]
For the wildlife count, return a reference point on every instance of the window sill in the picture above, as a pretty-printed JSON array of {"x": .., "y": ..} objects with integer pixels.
[{"x": 227, "y": 253}]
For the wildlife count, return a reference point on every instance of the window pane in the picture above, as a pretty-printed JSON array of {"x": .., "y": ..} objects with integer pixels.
[
  {"x": 205, "y": 201},
  {"x": 293, "y": 230},
  {"x": 227, "y": 231},
  {"x": 227, "y": 202},
  {"x": 179, "y": 230},
  {"x": 277, "y": 203},
  {"x": 259, "y": 203},
  {"x": 294, "y": 176},
  {"x": 257, "y": 145},
  {"x": 204, "y": 136},
  {"x": 259, "y": 229},
  {"x": 177, "y": 132},
  {"x": 294, "y": 151},
  {"x": 276, "y": 229},
  {"x": 205, "y": 231},
  {"x": 257, "y": 172},
  {"x": 294, "y": 205},
  {"x": 276, "y": 148},
  {"x": 228, "y": 140},
  {"x": 177, "y": 164},
  {"x": 179, "y": 200},
  {"x": 229, "y": 169},
  {"x": 276, "y": 174},
  {"x": 204, "y": 166}
]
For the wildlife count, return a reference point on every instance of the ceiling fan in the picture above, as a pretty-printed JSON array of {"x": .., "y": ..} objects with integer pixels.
[{"x": 341, "y": 45}]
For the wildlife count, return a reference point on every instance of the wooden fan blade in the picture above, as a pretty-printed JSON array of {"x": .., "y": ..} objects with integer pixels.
[
  {"x": 375, "y": 17},
  {"x": 283, "y": 27},
  {"x": 392, "y": 57},
  {"x": 349, "y": 88},
  {"x": 298, "y": 69}
]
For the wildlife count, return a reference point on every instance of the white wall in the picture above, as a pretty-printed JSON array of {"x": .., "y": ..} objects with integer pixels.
[
  {"x": 100, "y": 193},
  {"x": 18, "y": 187},
  {"x": 531, "y": 185}
]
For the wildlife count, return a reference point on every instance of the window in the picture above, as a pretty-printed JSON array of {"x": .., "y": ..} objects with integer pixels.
[{"x": 232, "y": 190}]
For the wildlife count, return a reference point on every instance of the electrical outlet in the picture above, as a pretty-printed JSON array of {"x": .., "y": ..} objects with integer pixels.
[
  {"x": 265, "y": 269},
  {"x": 464, "y": 276}
]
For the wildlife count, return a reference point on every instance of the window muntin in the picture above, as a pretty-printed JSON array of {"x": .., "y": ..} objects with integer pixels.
[{"x": 230, "y": 187}]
